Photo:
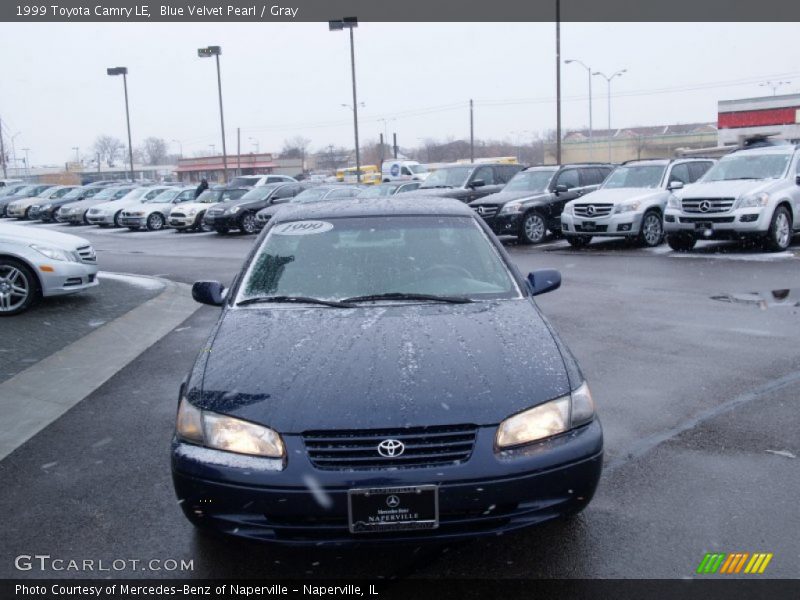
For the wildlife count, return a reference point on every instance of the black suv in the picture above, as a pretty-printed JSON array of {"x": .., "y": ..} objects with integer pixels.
[
  {"x": 241, "y": 214},
  {"x": 468, "y": 181},
  {"x": 532, "y": 201}
]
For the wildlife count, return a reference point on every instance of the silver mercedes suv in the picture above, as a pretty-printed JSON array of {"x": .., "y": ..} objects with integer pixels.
[{"x": 750, "y": 193}]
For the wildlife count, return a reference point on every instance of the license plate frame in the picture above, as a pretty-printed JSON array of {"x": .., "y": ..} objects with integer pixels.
[
  {"x": 589, "y": 225},
  {"x": 408, "y": 511}
]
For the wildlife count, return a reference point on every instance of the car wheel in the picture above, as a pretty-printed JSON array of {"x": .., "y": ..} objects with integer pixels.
[
  {"x": 116, "y": 219},
  {"x": 19, "y": 288},
  {"x": 198, "y": 222},
  {"x": 578, "y": 241},
  {"x": 27, "y": 214},
  {"x": 155, "y": 222},
  {"x": 779, "y": 235},
  {"x": 533, "y": 228},
  {"x": 85, "y": 218},
  {"x": 651, "y": 233},
  {"x": 681, "y": 242},
  {"x": 247, "y": 224}
]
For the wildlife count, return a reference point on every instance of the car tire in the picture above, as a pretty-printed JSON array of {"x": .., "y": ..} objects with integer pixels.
[
  {"x": 779, "y": 234},
  {"x": 247, "y": 223},
  {"x": 116, "y": 219},
  {"x": 578, "y": 241},
  {"x": 27, "y": 215},
  {"x": 651, "y": 231},
  {"x": 85, "y": 218},
  {"x": 24, "y": 279},
  {"x": 681, "y": 242},
  {"x": 533, "y": 228},
  {"x": 155, "y": 222},
  {"x": 198, "y": 222}
]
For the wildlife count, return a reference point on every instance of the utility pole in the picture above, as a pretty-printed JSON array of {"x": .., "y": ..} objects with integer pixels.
[
  {"x": 558, "y": 82},
  {"x": 471, "y": 133},
  {"x": 394, "y": 144},
  {"x": 238, "y": 151},
  {"x": 382, "y": 148},
  {"x": 3, "y": 151},
  {"x": 27, "y": 162}
]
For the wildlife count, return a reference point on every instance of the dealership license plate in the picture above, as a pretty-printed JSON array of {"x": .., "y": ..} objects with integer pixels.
[
  {"x": 703, "y": 226},
  {"x": 589, "y": 225},
  {"x": 393, "y": 509}
]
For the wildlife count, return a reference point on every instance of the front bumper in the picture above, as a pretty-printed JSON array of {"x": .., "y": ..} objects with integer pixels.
[
  {"x": 136, "y": 222},
  {"x": 621, "y": 224},
  {"x": 487, "y": 495},
  {"x": 222, "y": 221},
  {"x": 66, "y": 277},
  {"x": 69, "y": 218},
  {"x": 184, "y": 222},
  {"x": 737, "y": 223},
  {"x": 509, "y": 224},
  {"x": 100, "y": 218},
  {"x": 15, "y": 212}
]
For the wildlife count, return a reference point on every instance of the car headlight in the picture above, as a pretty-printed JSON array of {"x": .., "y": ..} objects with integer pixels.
[
  {"x": 547, "y": 420},
  {"x": 512, "y": 207},
  {"x": 191, "y": 212},
  {"x": 673, "y": 201},
  {"x": 627, "y": 207},
  {"x": 234, "y": 209},
  {"x": 53, "y": 253},
  {"x": 753, "y": 200},
  {"x": 569, "y": 209},
  {"x": 227, "y": 433}
]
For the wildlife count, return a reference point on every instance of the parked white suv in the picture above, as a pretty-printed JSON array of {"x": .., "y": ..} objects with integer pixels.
[
  {"x": 631, "y": 201},
  {"x": 752, "y": 192}
]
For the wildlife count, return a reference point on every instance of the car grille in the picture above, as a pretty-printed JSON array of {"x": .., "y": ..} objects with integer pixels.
[
  {"x": 487, "y": 211},
  {"x": 707, "y": 205},
  {"x": 87, "y": 254},
  {"x": 706, "y": 219},
  {"x": 593, "y": 210},
  {"x": 176, "y": 215},
  {"x": 358, "y": 449}
]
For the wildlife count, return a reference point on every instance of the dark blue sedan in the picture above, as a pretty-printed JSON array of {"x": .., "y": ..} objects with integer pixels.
[{"x": 380, "y": 372}]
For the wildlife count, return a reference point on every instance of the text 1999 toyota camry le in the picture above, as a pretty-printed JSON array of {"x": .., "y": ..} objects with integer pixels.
[{"x": 380, "y": 372}]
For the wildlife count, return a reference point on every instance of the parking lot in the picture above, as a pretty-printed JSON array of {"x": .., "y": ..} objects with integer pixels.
[{"x": 693, "y": 362}]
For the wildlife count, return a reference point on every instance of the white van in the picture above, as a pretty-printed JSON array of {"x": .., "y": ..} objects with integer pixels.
[{"x": 403, "y": 170}]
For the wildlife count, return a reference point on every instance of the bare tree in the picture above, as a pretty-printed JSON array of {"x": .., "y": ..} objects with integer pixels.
[
  {"x": 108, "y": 148},
  {"x": 154, "y": 151},
  {"x": 295, "y": 147}
]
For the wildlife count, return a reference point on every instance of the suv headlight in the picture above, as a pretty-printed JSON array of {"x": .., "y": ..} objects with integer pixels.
[
  {"x": 673, "y": 201},
  {"x": 226, "y": 433},
  {"x": 515, "y": 206},
  {"x": 547, "y": 420},
  {"x": 627, "y": 207},
  {"x": 753, "y": 200},
  {"x": 569, "y": 209},
  {"x": 54, "y": 253}
]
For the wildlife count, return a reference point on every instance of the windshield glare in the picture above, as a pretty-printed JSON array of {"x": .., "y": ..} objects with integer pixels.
[
  {"x": 378, "y": 191},
  {"x": 529, "y": 181},
  {"x": 163, "y": 197},
  {"x": 341, "y": 258},
  {"x": 311, "y": 195},
  {"x": 641, "y": 176},
  {"x": 448, "y": 177},
  {"x": 753, "y": 166},
  {"x": 259, "y": 193}
]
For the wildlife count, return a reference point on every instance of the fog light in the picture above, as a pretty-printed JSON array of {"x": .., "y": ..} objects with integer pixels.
[
  {"x": 624, "y": 227},
  {"x": 748, "y": 218},
  {"x": 669, "y": 218}
]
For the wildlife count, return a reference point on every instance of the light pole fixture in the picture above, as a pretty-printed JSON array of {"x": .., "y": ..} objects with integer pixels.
[
  {"x": 589, "y": 73},
  {"x": 608, "y": 79},
  {"x": 208, "y": 52},
  {"x": 774, "y": 85},
  {"x": 339, "y": 25},
  {"x": 124, "y": 72}
]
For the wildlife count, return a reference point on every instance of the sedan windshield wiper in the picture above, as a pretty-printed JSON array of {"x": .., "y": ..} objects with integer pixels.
[
  {"x": 404, "y": 296},
  {"x": 297, "y": 299}
]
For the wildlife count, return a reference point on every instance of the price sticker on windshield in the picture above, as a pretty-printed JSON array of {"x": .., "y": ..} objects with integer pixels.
[{"x": 303, "y": 228}]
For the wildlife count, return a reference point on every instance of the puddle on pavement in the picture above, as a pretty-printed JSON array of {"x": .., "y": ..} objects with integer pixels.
[{"x": 786, "y": 298}]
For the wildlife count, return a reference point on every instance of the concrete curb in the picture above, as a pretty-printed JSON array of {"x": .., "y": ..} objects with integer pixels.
[{"x": 37, "y": 396}]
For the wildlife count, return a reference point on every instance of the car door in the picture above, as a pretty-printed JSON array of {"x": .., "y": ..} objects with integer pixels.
[
  {"x": 487, "y": 175},
  {"x": 283, "y": 194},
  {"x": 569, "y": 177}
]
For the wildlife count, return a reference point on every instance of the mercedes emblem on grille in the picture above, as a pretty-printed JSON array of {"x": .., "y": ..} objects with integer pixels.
[
  {"x": 590, "y": 210},
  {"x": 481, "y": 210},
  {"x": 392, "y": 501},
  {"x": 705, "y": 206},
  {"x": 391, "y": 448}
]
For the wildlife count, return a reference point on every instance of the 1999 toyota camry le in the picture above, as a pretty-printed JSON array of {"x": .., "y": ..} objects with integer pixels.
[{"x": 380, "y": 372}]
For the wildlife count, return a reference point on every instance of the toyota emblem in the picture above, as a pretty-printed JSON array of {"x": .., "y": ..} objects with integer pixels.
[
  {"x": 590, "y": 210},
  {"x": 391, "y": 448},
  {"x": 705, "y": 206},
  {"x": 392, "y": 501}
]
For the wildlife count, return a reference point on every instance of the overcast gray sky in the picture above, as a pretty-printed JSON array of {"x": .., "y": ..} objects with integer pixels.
[{"x": 285, "y": 80}]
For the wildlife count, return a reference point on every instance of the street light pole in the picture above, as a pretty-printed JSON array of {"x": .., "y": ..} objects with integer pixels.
[
  {"x": 124, "y": 72},
  {"x": 27, "y": 162},
  {"x": 215, "y": 51},
  {"x": 608, "y": 81},
  {"x": 351, "y": 23},
  {"x": 589, "y": 73}
]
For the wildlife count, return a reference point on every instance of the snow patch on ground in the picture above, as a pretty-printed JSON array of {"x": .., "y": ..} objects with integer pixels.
[
  {"x": 752, "y": 257},
  {"x": 147, "y": 283}
]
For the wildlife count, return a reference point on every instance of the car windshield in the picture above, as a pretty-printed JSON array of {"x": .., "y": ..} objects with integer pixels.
[
  {"x": 27, "y": 190},
  {"x": 749, "y": 166},
  {"x": 259, "y": 193},
  {"x": 377, "y": 191},
  {"x": 244, "y": 181},
  {"x": 10, "y": 191},
  {"x": 311, "y": 195},
  {"x": 163, "y": 197},
  {"x": 75, "y": 194},
  {"x": 530, "y": 181},
  {"x": 51, "y": 193},
  {"x": 447, "y": 177},
  {"x": 342, "y": 258},
  {"x": 635, "y": 176}
]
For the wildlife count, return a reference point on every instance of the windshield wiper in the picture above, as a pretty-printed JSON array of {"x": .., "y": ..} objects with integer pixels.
[
  {"x": 433, "y": 187},
  {"x": 297, "y": 299},
  {"x": 404, "y": 296}
]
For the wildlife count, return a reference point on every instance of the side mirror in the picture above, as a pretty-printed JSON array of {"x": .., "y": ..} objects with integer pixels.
[
  {"x": 209, "y": 292},
  {"x": 675, "y": 185},
  {"x": 561, "y": 188},
  {"x": 543, "y": 281},
  {"x": 477, "y": 183}
]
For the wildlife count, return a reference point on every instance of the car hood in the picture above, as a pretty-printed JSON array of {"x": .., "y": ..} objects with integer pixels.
[
  {"x": 445, "y": 192},
  {"x": 297, "y": 369},
  {"x": 149, "y": 207},
  {"x": 115, "y": 205},
  {"x": 24, "y": 235},
  {"x": 617, "y": 195},
  {"x": 726, "y": 189},
  {"x": 501, "y": 198},
  {"x": 29, "y": 201},
  {"x": 184, "y": 206},
  {"x": 89, "y": 202}
]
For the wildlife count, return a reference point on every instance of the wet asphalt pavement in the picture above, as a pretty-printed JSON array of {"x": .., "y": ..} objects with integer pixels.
[{"x": 698, "y": 397}]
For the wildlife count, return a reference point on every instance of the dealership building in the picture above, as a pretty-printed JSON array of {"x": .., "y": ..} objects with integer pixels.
[
  {"x": 767, "y": 115},
  {"x": 191, "y": 170}
]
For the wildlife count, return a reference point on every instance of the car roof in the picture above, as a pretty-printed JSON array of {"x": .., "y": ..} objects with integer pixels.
[
  {"x": 766, "y": 149},
  {"x": 375, "y": 207}
]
